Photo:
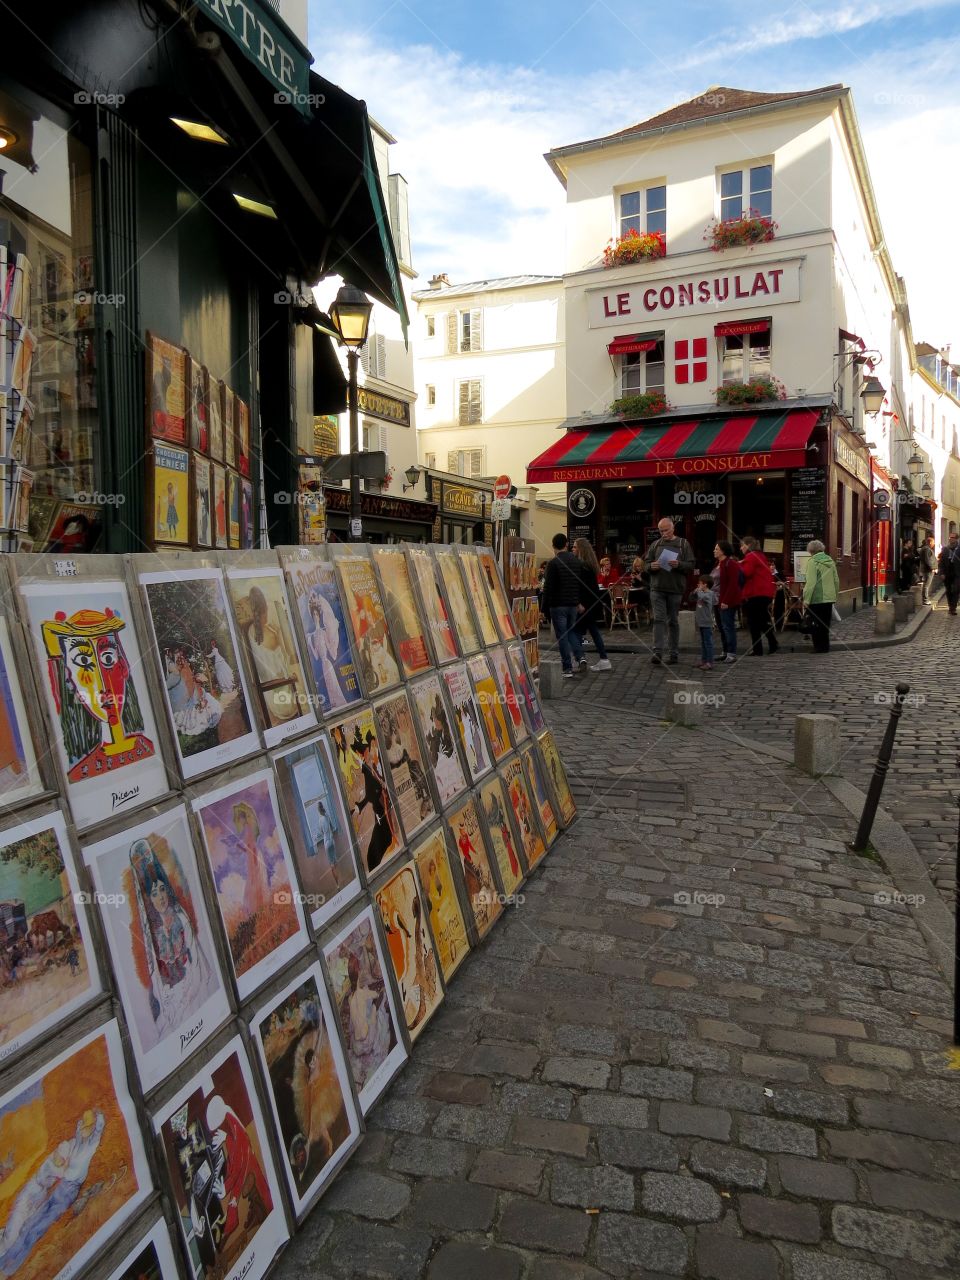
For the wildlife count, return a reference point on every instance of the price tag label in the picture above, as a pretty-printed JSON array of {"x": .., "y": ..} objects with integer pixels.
[{"x": 66, "y": 568}]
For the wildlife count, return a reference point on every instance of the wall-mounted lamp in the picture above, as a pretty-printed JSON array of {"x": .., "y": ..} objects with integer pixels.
[
  {"x": 873, "y": 394},
  {"x": 7, "y": 137},
  {"x": 413, "y": 475}
]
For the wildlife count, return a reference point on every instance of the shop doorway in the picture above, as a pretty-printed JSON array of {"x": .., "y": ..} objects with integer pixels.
[
  {"x": 629, "y": 512},
  {"x": 758, "y": 507}
]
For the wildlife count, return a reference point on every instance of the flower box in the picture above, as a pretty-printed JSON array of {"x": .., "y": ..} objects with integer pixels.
[
  {"x": 634, "y": 246},
  {"x": 753, "y": 392},
  {"x": 646, "y": 404},
  {"x": 750, "y": 228}
]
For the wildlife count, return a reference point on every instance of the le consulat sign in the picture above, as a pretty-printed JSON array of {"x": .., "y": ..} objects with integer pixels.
[{"x": 697, "y": 293}]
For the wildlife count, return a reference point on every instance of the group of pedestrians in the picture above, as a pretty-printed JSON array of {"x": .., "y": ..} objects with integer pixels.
[{"x": 573, "y": 600}]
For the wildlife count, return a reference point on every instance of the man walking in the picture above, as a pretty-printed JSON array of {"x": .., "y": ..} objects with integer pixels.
[
  {"x": 668, "y": 561},
  {"x": 928, "y": 566},
  {"x": 562, "y": 584},
  {"x": 950, "y": 572}
]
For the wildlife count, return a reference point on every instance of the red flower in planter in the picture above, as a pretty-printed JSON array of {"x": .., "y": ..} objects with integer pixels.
[
  {"x": 634, "y": 246},
  {"x": 750, "y": 228}
]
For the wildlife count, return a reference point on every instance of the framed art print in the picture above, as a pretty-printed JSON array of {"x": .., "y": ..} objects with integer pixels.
[
  {"x": 401, "y": 746},
  {"x": 459, "y": 606},
  {"x": 218, "y": 487},
  {"x": 168, "y": 482},
  {"x": 202, "y": 503},
  {"x": 215, "y": 406},
  {"x": 426, "y": 575},
  {"x": 19, "y": 775},
  {"x": 151, "y": 1258},
  {"x": 469, "y": 721},
  {"x": 166, "y": 391},
  {"x": 521, "y": 802},
  {"x": 358, "y": 754},
  {"x": 372, "y": 645},
  {"x": 403, "y": 616},
  {"x": 496, "y": 812},
  {"x": 497, "y": 593},
  {"x": 483, "y": 893},
  {"x": 508, "y": 692},
  {"x": 199, "y": 402},
  {"x": 410, "y": 948},
  {"x": 233, "y": 510},
  {"x": 482, "y": 607},
  {"x": 439, "y": 737},
  {"x": 490, "y": 702},
  {"x": 313, "y": 583},
  {"x": 557, "y": 777},
  {"x": 445, "y": 914},
  {"x": 538, "y": 792}
]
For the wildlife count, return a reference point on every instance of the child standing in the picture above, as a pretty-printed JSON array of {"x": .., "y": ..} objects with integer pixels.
[{"x": 706, "y": 599}]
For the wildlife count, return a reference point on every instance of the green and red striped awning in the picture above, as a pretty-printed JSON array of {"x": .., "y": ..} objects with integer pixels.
[{"x": 666, "y": 447}]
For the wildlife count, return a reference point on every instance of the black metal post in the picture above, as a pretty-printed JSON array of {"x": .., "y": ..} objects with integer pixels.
[
  {"x": 354, "y": 534},
  {"x": 872, "y": 803}
]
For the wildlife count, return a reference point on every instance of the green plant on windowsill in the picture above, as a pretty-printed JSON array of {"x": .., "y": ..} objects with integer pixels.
[
  {"x": 753, "y": 392},
  {"x": 645, "y": 404}
]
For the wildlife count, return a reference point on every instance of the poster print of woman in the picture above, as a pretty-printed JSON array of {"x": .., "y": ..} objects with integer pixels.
[
  {"x": 325, "y": 634},
  {"x": 357, "y": 752}
]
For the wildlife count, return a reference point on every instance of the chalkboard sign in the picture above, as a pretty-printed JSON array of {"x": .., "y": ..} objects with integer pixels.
[{"x": 808, "y": 506}]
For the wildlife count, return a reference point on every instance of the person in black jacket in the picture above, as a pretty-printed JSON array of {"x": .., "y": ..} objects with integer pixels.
[
  {"x": 950, "y": 572},
  {"x": 591, "y": 602},
  {"x": 928, "y": 566},
  {"x": 562, "y": 585}
]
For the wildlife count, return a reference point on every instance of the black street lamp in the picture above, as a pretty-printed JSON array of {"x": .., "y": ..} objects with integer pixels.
[{"x": 350, "y": 314}]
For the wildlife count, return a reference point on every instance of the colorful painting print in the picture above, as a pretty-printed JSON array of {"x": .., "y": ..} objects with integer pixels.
[
  {"x": 246, "y": 515},
  {"x": 166, "y": 390},
  {"x": 496, "y": 812},
  {"x": 457, "y": 600},
  {"x": 508, "y": 692},
  {"x": 531, "y": 651},
  {"x": 99, "y": 705},
  {"x": 320, "y": 834},
  {"x": 298, "y": 1038},
  {"x": 233, "y": 510},
  {"x": 161, "y": 943},
  {"x": 410, "y": 948},
  {"x": 424, "y": 570},
  {"x": 515, "y": 782},
  {"x": 364, "y": 1001},
  {"x": 525, "y": 687},
  {"x": 203, "y": 528},
  {"x": 473, "y": 574},
  {"x": 199, "y": 406},
  {"x": 219, "y": 506},
  {"x": 19, "y": 775},
  {"x": 325, "y": 634},
  {"x": 482, "y": 892},
  {"x": 443, "y": 906},
  {"x": 253, "y": 876},
  {"x": 151, "y": 1259},
  {"x": 229, "y": 427},
  {"x": 438, "y": 737},
  {"x": 373, "y": 647},
  {"x": 468, "y": 719},
  {"x": 400, "y": 745},
  {"x": 74, "y": 1168},
  {"x": 497, "y": 593},
  {"x": 401, "y": 606},
  {"x": 215, "y": 405},
  {"x": 263, "y": 619},
  {"x": 75, "y": 528},
  {"x": 488, "y": 696},
  {"x": 357, "y": 752},
  {"x": 47, "y": 969},
  {"x": 224, "y": 1190},
  {"x": 553, "y": 767},
  {"x": 538, "y": 792},
  {"x": 171, "y": 495},
  {"x": 243, "y": 436},
  {"x": 203, "y": 680}
]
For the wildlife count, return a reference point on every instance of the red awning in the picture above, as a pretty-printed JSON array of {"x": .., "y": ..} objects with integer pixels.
[
  {"x": 730, "y": 328},
  {"x": 630, "y": 343},
  {"x": 765, "y": 441}
]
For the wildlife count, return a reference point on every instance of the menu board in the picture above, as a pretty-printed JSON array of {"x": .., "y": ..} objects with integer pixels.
[{"x": 808, "y": 506}]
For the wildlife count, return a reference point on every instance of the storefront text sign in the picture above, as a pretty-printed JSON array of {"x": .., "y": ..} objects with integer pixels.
[
  {"x": 376, "y": 405},
  {"x": 263, "y": 39},
  {"x": 463, "y": 501},
  {"x": 668, "y": 297},
  {"x": 848, "y": 458},
  {"x": 718, "y": 465},
  {"x": 386, "y": 508}
]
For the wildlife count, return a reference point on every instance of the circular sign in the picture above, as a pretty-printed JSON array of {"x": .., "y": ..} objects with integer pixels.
[
  {"x": 501, "y": 487},
  {"x": 582, "y": 502},
  {"x": 881, "y": 498}
]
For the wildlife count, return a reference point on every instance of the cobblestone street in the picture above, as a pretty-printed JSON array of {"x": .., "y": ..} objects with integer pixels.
[{"x": 708, "y": 1044}]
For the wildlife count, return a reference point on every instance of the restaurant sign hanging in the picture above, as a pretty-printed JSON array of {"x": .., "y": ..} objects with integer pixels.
[{"x": 265, "y": 40}]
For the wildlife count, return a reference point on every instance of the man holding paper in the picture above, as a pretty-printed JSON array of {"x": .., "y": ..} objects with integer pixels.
[{"x": 669, "y": 561}]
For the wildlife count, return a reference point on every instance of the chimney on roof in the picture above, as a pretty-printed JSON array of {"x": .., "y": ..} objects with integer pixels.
[{"x": 438, "y": 281}]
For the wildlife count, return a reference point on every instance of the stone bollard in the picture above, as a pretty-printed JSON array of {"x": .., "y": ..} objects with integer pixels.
[
  {"x": 684, "y": 704},
  {"x": 816, "y": 744},
  {"x": 551, "y": 680},
  {"x": 902, "y": 608},
  {"x": 917, "y": 593},
  {"x": 885, "y": 618},
  {"x": 689, "y": 635}
]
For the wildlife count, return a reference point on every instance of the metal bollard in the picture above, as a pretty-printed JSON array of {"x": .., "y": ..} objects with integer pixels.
[{"x": 872, "y": 802}]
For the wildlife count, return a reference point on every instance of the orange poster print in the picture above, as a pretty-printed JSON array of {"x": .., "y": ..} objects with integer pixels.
[
  {"x": 446, "y": 918},
  {"x": 482, "y": 890}
]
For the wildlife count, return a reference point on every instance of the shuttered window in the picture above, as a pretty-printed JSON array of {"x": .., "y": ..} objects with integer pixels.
[
  {"x": 373, "y": 356},
  {"x": 467, "y": 462},
  {"x": 469, "y": 328},
  {"x": 470, "y": 400}
]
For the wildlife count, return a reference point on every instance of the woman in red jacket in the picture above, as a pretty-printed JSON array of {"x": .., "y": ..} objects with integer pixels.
[
  {"x": 758, "y": 592},
  {"x": 728, "y": 597}
]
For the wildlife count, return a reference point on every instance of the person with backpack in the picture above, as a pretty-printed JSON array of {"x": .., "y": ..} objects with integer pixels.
[
  {"x": 668, "y": 562},
  {"x": 757, "y": 594},
  {"x": 820, "y": 591},
  {"x": 562, "y": 586},
  {"x": 730, "y": 583}
]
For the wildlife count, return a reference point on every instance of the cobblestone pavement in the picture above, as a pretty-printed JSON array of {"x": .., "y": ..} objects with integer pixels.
[
  {"x": 757, "y": 699},
  {"x": 742, "y": 1082}
]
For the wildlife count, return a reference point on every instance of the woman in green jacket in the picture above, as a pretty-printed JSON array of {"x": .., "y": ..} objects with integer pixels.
[{"x": 820, "y": 592}]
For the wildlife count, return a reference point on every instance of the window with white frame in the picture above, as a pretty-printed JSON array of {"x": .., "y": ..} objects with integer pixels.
[
  {"x": 744, "y": 356},
  {"x": 467, "y": 462},
  {"x": 431, "y": 326},
  {"x": 430, "y": 460},
  {"x": 469, "y": 402},
  {"x": 431, "y": 394},
  {"x": 642, "y": 371},
  {"x": 464, "y": 331},
  {"x": 745, "y": 189},
  {"x": 643, "y": 210},
  {"x": 374, "y": 436}
]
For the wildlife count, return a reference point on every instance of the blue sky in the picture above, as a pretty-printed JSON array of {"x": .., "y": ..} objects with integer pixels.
[{"x": 476, "y": 92}]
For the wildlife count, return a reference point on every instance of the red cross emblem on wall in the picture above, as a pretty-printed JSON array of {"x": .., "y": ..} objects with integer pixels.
[{"x": 690, "y": 360}]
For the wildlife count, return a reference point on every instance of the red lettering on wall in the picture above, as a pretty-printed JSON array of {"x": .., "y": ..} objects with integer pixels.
[
  {"x": 685, "y": 295},
  {"x": 741, "y": 293},
  {"x": 667, "y": 292},
  {"x": 777, "y": 273},
  {"x": 721, "y": 289},
  {"x": 703, "y": 291},
  {"x": 650, "y": 299},
  {"x": 623, "y": 304},
  {"x": 606, "y": 307},
  {"x": 759, "y": 284}
]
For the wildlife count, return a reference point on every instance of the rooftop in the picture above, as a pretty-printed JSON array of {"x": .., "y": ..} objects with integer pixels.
[{"x": 486, "y": 286}]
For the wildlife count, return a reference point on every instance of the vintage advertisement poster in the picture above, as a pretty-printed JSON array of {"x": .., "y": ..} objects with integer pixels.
[
  {"x": 325, "y": 634},
  {"x": 373, "y": 647},
  {"x": 426, "y": 574},
  {"x": 199, "y": 406},
  {"x": 259, "y": 598},
  {"x": 438, "y": 736},
  {"x": 538, "y": 793},
  {"x": 202, "y": 502},
  {"x": 357, "y": 752},
  {"x": 247, "y": 521},
  {"x": 399, "y": 742},
  {"x": 410, "y": 948},
  {"x": 514, "y": 779},
  {"x": 364, "y": 1000},
  {"x": 497, "y": 813},
  {"x": 74, "y": 1167},
  {"x": 320, "y": 833},
  {"x": 243, "y": 436},
  {"x": 229, "y": 426},
  {"x": 161, "y": 942},
  {"x": 446, "y": 918},
  {"x": 253, "y": 876},
  {"x": 472, "y": 572},
  {"x": 225, "y": 1192},
  {"x": 508, "y": 693},
  {"x": 491, "y": 708},
  {"x": 204, "y": 685},
  {"x": 215, "y": 405},
  {"x": 401, "y": 606},
  {"x": 219, "y": 488},
  {"x": 166, "y": 390},
  {"x": 91, "y": 669},
  {"x": 553, "y": 767},
  {"x": 150, "y": 1259},
  {"x": 457, "y": 601},
  {"x": 483, "y": 893},
  {"x": 19, "y": 775},
  {"x": 525, "y": 687},
  {"x": 497, "y": 593},
  {"x": 297, "y": 1036},
  {"x": 466, "y": 714},
  {"x": 47, "y": 965},
  {"x": 233, "y": 510},
  {"x": 170, "y": 485}
]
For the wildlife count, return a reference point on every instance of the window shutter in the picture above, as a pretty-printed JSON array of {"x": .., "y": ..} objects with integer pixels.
[
  {"x": 476, "y": 402},
  {"x": 476, "y": 462},
  {"x": 381, "y": 369},
  {"x": 453, "y": 462},
  {"x": 476, "y": 333},
  {"x": 451, "y": 333},
  {"x": 464, "y": 415},
  {"x": 365, "y": 357}
]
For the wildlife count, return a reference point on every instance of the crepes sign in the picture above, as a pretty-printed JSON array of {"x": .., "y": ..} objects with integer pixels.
[{"x": 266, "y": 41}]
